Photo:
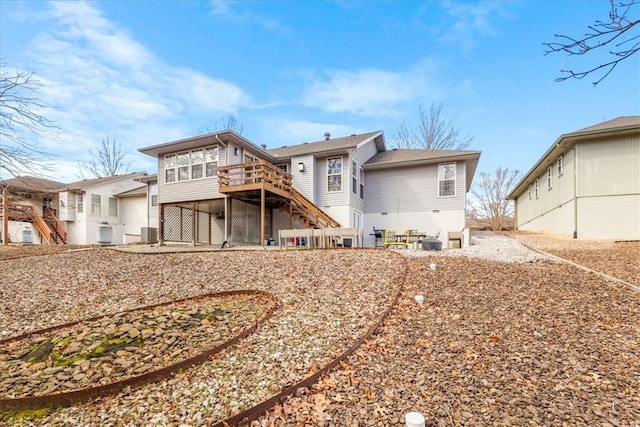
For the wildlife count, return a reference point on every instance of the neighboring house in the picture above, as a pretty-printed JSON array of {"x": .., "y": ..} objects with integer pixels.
[
  {"x": 104, "y": 210},
  {"x": 222, "y": 187},
  {"x": 586, "y": 185},
  {"x": 31, "y": 211}
]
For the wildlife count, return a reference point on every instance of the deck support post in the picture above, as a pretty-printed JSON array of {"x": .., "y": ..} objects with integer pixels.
[
  {"x": 262, "y": 217},
  {"x": 194, "y": 223},
  {"x": 161, "y": 226}
]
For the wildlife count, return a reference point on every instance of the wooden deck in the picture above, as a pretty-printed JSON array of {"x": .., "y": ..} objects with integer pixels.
[{"x": 264, "y": 184}]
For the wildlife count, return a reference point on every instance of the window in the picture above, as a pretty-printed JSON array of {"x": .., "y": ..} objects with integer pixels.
[
  {"x": 153, "y": 191},
  {"x": 354, "y": 177},
  {"x": 536, "y": 187},
  {"x": 193, "y": 164},
  {"x": 95, "y": 204},
  {"x": 361, "y": 183},
  {"x": 182, "y": 161},
  {"x": 169, "y": 168},
  {"x": 560, "y": 165},
  {"x": 284, "y": 167},
  {"x": 211, "y": 161},
  {"x": 447, "y": 179},
  {"x": 80, "y": 202},
  {"x": 529, "y": 191},
  {"x": 113, "y": 206},
  {"x": 549, "y": 178},
  {"x": 197, "y": 158},
  {"x": 334, "y": 174}
]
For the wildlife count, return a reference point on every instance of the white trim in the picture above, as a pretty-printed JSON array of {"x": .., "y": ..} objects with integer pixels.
[{"x": 341, "y": 174}]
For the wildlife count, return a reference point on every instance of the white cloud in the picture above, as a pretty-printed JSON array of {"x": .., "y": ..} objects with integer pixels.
[
  {"x": 100, "y": 81},
  {"x": 229, "y": 10},
  {"x": 368, "y": 92},
  {"x": 470, "y": 21}
]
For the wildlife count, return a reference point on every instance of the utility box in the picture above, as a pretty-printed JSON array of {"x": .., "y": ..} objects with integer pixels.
[
  {"x": 149, "y": 234},
  {"x": 26, "y": 236},
  {"x": 105, "y": 234}
]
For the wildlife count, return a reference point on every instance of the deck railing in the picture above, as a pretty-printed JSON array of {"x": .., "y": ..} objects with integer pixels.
[
  {"x": 247, "y": 175},
  {"x": 27, "y": 213},
  {"x": 259, "y": 174}
]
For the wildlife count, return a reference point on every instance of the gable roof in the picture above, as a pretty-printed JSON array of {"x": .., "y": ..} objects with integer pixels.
[
  {"x": 223, "y": 137},
  {"x": 618, "y": 122},
  {"x": 326, "y": 146},
  {"x": 86, "y": 183},
  {"x": 618, "y": 126},
  {"x": 33, "y": 184}
]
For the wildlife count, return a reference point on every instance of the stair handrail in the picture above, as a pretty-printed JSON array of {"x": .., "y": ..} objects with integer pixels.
[
  {"x": 41, "y": 225},
  {"x": 322, "y": 218},
  {"x": 59, "y": 228}
]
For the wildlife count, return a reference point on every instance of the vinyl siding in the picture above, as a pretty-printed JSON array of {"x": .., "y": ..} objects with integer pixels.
[
  {"x": 360, "y": 155},
  {"x": 411, "y": 189},
  {"x": 556, "y": 204},
  {"x": 608, "y": 167},
  {"x": 186, "y": 191},
  {"x": 337, "y": 198},
  {"x": 303, "y": 181}
]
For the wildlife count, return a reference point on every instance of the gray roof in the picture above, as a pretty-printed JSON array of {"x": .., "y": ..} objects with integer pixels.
[
  {"x": 32, "y": 183},
  {"x": 329, "y": 145},
  {"x": 140, "y": 191},
  {"x": 86, "y": 183},
  {"x": 619, "y": 126},
  {"x": 402, "y": 156},
  {"x": 618, "y": 122}
]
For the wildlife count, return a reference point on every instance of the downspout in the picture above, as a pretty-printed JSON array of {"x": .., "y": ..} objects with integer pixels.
[{"x": 575, "y": 191}]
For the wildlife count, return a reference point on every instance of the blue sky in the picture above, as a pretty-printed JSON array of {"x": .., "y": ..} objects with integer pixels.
[{"x": 150, "y": 72}]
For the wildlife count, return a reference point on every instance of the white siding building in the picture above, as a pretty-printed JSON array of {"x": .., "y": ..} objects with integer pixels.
[{"x": 353, "y": 181}]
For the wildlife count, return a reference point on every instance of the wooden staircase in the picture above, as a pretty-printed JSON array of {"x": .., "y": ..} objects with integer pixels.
[
  {"x": 50, "y": 228},
  {"x": 248, "y": 181},
  {"x": 306, "y": 212}
]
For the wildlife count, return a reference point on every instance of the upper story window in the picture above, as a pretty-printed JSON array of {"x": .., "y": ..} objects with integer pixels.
[
  {"x": 549, "y": 178},
  {"x": 361, "y": 183},
  {"x": 96, "y": 208},
  {"x": 447, "y": 179},
  {"x": 113, "y": 206},
  {"x": 192, "y": 164},
  {"x": 153, "y": 192},
  {"x": 334, "y": 174},
  {"x": 354, "y": 177},
  {"x": 529, "y": 191},
  {"x": 284, "y": 167},
  {"x": 80, "y": 202},
  {"x": 536, "y": 187},
  {"x": 560, "y": 165}
]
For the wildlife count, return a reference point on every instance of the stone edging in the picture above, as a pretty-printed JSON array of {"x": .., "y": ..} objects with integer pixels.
[{"x": 75, "y": 396}]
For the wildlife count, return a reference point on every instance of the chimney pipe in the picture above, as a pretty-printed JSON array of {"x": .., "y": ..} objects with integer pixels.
[
  {"x": 327, "y": 135},
  {"x": 263, "y": 146}
]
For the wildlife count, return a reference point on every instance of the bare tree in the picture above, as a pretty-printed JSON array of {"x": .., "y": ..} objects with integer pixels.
[
  {"x": 21, "y": 121},
  {"x": 226, "y": 122},
  {"x": 489, "y": 201},
  {"x": 229, "y": 122},
  {"x": 107, "y": 159},
  {"x": 620, "y": 34},
  {"x": 434, "y": 132}
]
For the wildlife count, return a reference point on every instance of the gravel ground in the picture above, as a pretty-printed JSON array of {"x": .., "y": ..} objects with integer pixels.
[
  {"x": 529, "y": 341},
  {"x": 322, "y": 311}
]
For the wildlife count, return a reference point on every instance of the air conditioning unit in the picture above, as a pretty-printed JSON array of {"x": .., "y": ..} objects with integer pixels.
[{"x": 149, "y": 234}]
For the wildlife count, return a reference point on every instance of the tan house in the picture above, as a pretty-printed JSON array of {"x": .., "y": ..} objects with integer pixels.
[{"x": 586, "y": 185}]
